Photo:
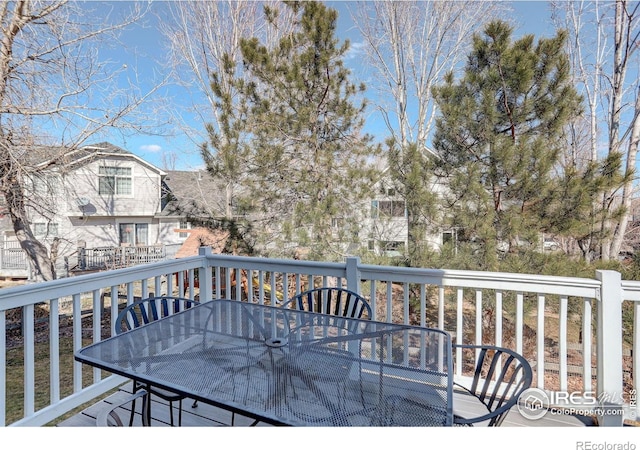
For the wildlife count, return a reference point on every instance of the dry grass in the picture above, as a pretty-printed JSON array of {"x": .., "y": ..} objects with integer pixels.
[{"x": 15, "y": 377}]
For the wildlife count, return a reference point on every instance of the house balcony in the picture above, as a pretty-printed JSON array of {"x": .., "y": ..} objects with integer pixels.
[{"x": 577, "y": 333}]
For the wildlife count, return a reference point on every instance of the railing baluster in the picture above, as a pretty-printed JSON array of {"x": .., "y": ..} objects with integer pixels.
[
  {"x": 441, "y": 307},
  {"x": 180, "y": 277},
  {"x": 519, "y": 321},
  {"x": 498, "y": 319},
  {"x": 97, "y": 319},
  {"x": 587, "y": 344},
  {"x": 479, "y": 312},
  {"x": 54, "y": 350},
  {"x": 540, "y": 342},
  {"x": 3, "y": 368},
  {"x": 373, "y": 299},
  {"x": 218, "y": 282},
  {"x": 29, "y": 358},
  {"x": 405, "y": 303},
  {"x": 77, "y": 340},
  {"x": 562, "y": 342},
  {"x": 260, "y": 278},
  {"x": 157, "y": 287},
  {"x": 636, "y": 360},
  {"x": 114, "y": 307},
  {"x": 423, "y": 305},
  {"x": 389, "y": 302},
  {"x": 458, "y": 339}
]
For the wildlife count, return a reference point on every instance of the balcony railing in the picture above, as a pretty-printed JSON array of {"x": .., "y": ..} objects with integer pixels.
[
  {"x": 13, "y": 260},
  {"x": 570, "y": 329},
  {"x": 109, "y": 258}
]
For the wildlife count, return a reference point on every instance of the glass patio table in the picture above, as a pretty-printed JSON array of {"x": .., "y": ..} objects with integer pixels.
[{"x": 288, "y": 367}]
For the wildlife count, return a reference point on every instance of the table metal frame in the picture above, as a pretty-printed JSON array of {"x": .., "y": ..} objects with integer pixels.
[{"x": 289, "y": 367}]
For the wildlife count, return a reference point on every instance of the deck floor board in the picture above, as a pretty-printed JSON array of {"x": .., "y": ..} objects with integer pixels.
[{"x": 210, "y": 416}]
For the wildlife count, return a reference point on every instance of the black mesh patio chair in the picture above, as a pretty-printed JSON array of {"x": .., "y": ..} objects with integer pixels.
[
  {"x": 499, "y": 377},
  {"x": 109, "y": 416},
  {"x": 142, "y": 312},
  {"x": 340, "y": 303},
  {"x": 331, "y": 300}
]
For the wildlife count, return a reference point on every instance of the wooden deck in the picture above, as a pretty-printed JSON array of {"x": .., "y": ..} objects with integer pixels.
[
  {"x": 209, "y": 416},
  {"x": 202, "y": 416}
]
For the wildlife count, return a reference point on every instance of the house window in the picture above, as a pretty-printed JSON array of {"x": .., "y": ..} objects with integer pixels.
[
  {"x": 387, "y": 208},
  {"x": 184, "y": 225},
  {"x": 134, "y": 233},
  {"x": 46, "y": 185},
  {"x": 45, "y": 229},
  {"x": 374, "y": 208},
  {"x": 114, "y": 180}
]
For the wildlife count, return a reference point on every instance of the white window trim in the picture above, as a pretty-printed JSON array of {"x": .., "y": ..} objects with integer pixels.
[{"x": 115, "y": 177}]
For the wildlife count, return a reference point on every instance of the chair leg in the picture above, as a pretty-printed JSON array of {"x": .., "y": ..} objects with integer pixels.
[
  {"x": 179, "y": 413},
  {"x": 134, "y": 389},
  {"x": 133, "y": 411},
  {"x": 146, "y": 419}
]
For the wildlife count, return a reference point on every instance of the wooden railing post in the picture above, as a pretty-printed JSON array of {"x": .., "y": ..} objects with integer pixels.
[
  {"x": 353, "y": 273},
  {"x": 609, "y": 346},
  {"x": 205, "y": 277}
]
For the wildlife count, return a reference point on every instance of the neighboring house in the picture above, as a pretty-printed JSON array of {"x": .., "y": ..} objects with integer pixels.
[
  {"x": 192, "y": 194},
  {"x": 385, "y": 225},
  {"x": 105, "y": 196}
]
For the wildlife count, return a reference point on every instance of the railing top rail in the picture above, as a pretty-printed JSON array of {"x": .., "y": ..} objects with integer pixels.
[
  {"x": 631, "y": 290},
  {"x": 292, "y": 266},
  {"x": 542, "y": 284},
  {"x": 38, "y": 292},
  {"x": 565, "y": 286}
]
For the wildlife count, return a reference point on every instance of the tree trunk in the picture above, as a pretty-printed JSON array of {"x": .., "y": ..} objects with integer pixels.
[
  {"x": 628, "y": 189},
  {"x": 624, "y": 46},
  {"x": 37, "y": 253}
]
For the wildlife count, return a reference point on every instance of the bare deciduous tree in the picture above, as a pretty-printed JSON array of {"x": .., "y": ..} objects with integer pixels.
[
  {"x": 205, "y": 39},
  {"x": 411, "y": 45},
  {"x": 603, "y": 43},
  {"x": 55, "y": 93}
]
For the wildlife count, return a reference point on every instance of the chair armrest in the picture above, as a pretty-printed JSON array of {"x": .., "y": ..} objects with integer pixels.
[{"x": 102, "y": 419}]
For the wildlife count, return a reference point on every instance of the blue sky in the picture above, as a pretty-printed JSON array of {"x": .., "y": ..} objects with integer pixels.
[{"x": 178, "y": 151}]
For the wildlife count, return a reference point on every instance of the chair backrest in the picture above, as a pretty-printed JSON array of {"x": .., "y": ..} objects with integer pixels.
[
  {"x": 109, "y": 417},
  {"x": 149, "y": 309},
  {"x": 332, "y": 300},
  {"x": 499, "y": 377}
]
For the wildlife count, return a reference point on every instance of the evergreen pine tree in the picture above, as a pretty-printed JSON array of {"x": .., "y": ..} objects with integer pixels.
[
  {"x": 297, "y": 135},
  {"x": 499, "y": 135}
]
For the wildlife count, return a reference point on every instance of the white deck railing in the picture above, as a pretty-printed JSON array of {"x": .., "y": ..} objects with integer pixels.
[{"x": 570, "y": 329}]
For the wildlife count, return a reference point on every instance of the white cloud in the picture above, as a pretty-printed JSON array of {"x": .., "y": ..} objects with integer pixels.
[
  {"x": 356, "y": 49},
  {"x": 153, "y": 148}
]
